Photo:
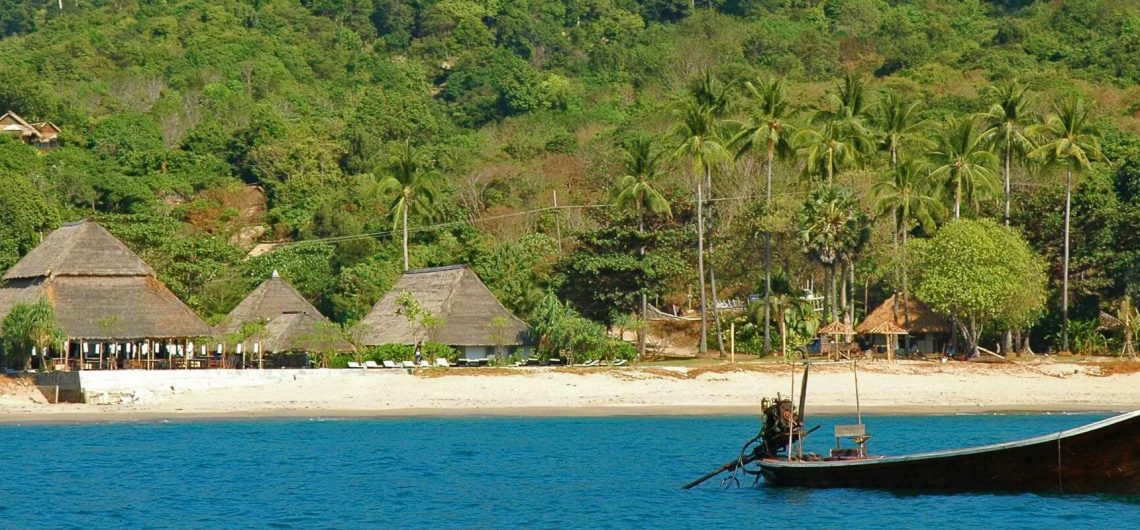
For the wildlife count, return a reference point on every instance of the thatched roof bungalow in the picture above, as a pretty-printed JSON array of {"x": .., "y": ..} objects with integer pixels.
[
  {"x": 101, "y": 290},
  {"x": 291, "y": 322},
  {"x": 473, "y": 320},
  {"x": 928, "y": 330}
]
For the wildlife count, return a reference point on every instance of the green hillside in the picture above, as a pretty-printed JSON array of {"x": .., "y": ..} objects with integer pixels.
[{"x": 195, "y": 129}]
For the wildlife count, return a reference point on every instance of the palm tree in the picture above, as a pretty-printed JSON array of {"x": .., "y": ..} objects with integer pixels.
[
  {"x": 961, "y": 160},
  {"x": 831, "y": 228},
  {"x": 412, "y": 186},
  {"x": 1073, "y": 141},
  {"x": 767, "y": 128},
  {"x": 1007, "y": 121},
  {"x": 701, "y": 144},
  {"x": 848, "y": 104},
  {"x": 908, "y": 196},
  {"x": 897, "y": 124},
  {"x": 709, "y": 94},
  {"x": 637, "y": 190},
  {"x": 829, "y": 150}
]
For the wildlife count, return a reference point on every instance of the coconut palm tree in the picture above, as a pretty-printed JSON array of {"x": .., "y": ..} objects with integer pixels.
[
  {"x": 412, "y": 186},
  {"x": 637, "y": 190},
  {"x": 1072, "y": 141},
  {"x": 768, "y": 129},
  {"x": 831, "y": 228},
  {"x": 1007, "y": 122},
  {"x": 897, "y": 124},
  {"x": 908, "y": 196},
  {"x": 701, "y": 144},
  {"x": 963, "y": 163},
  {"x": 829, "y": 150},
  {"x": 848, "y": 104}
]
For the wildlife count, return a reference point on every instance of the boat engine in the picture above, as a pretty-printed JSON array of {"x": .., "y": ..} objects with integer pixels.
[{"x": 779, "y": 419}]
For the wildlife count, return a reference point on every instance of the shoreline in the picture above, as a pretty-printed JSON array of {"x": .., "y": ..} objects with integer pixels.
[
  {"x": 649, "y": 411},
  {"x": 884, "y": 389}
]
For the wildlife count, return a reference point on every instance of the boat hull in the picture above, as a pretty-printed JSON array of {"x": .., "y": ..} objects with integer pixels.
[{"x": 1100, "y": 457}]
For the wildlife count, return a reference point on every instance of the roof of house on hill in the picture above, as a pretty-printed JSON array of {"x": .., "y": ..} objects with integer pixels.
[
  {"x": 273, "y": 297},
  {"x": 457, "y": 295},
  {"x": 79, "y": 249},
  {"x": 922, "y": 319}
]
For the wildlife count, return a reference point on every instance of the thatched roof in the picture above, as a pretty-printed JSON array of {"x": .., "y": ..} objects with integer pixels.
[
  {"x": 290, "y": 320},
  {"x": 273, "y": 297},
  {"x": 885, "y": 328},
  {"x": 922, "y": 319},
  {"x": 295, "y": 332},
  {"x": 836, "y": 327},
  {"x": 79, "y": 249},
  {"x": 456, "y": 295},
  {"x": 99, "y": 288}
]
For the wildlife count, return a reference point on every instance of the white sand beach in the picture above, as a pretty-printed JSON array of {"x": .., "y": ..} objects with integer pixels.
[{"x": 902, "y": 387}]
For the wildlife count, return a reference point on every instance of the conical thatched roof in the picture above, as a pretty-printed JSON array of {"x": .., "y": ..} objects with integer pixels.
[
  {"x": 922, "y": 319},
  {"x": 79, "y": 249},
  {"x": 836, "y": 327},
  {"x": 454, "y": 294},
  {"x": 296, "y": 332},
  {"x": 290, "y": 320},
  {"x": 273, "y": 297},
  {"x": 99, "y": 288},
  {"x": 885, "y": 328}
]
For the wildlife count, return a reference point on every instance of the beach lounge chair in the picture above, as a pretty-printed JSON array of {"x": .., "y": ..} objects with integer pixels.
[
  {"x": 442, "y": 363},
  {"x": 390, "y": 364},
  {"x": 619, "y": 362},
  {"x": 425, "y": 364},
  {"x": 371, "y": 364},
  {"x": 591, "y": 362},
  {"x": 354, "y": 364},
  {"x": 407, "y": 364}
]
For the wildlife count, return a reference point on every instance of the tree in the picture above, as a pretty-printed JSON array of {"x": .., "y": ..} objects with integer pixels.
[
  {"x": 27, "y": 326},
  {"x": 1071, "y": 141},
  {"x": 961, "y": 160},
  {"x": 414, "y": 188},
  {"x": 830, "y": 229},
  {"x": 897, "y": 123},
  {"x": 700, "y": 143},
  {"x": 1007, "y": 122},
  {"x": 994, "y": 278},
  {"x": 768, "y": 129},
  {"x": 908, "y": 196},
  {"x": 637, "y": 190},
  {"x": 830, "y": 149}
]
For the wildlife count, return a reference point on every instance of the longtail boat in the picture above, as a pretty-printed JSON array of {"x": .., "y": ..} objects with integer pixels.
[{"x": 1101, "y": 457}]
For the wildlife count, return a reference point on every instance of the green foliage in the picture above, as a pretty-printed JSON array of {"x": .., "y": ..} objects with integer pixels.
[
  {"x": 993, "y": 278},
  {"x": 27, "y": 326},
  {"x": 407, "y": 352},
  {"x": 25, "y": 216}
]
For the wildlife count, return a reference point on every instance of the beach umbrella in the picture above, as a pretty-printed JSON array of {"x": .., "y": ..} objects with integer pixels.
[
  {"x": 889, "y": 330},
  {"x": 835, "y": 328}
]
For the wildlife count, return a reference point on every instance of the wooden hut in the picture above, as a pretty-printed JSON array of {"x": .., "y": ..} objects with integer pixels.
[
  {"x": 473, "y": 320},
  {"x": 929, "y": 333},
  {"x": 291, "y": 322},
  {"x": 42, "y": 134},
  {"x": 106, "y": 299}
]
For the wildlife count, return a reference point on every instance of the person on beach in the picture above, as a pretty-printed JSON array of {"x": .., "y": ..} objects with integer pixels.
[{"x": 419, "y": 353}]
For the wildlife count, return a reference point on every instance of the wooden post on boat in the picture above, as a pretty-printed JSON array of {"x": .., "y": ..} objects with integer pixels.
[
  {"x": 791, "y": 420},
  {"x": 803, "y": 405}
]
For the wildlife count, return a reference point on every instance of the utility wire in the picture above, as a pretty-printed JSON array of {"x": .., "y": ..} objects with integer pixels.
[{"x": 437, "y": 226}]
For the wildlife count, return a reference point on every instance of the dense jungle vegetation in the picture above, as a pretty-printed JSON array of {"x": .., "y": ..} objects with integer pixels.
[{"x": 196, "y": 129}]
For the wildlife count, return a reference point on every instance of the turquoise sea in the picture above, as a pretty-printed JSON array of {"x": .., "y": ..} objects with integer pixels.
[{"x": 488, "y": 473}]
